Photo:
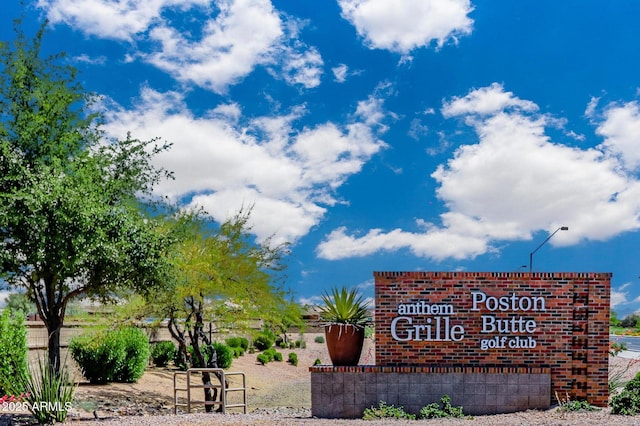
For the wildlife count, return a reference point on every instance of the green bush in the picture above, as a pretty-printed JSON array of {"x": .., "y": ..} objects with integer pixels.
[
  {"x": 13, "y": 349},
  {"x": 263, "y": 341},
  {"x": 577, "y": 405},
  {"x": 434, "y": 411},
  {"x": 111, "y": 356},
  {"x": 627, "y": 402},
  {"x": 293, "y": 358},
  {"x": 224, "y": 354},
  {"x": 384, "y": 411},
  {"x": 237, "y": 351},
  {"x": 277, "y": 357},
  {"x": 97, "y": 356},
  {"x": 263, "y": 358},
  {"x": 317, "y": 362},
  {"x": 136, "y": 354},
  {"x": 238, "y": 342},
  {"x": 319, "y": 339},
  {"x": 162, "y": 353},
  {"x": 270, "y": 353}
]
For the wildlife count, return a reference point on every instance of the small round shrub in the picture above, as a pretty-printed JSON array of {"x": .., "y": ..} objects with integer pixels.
[
  {"x": 162, "y": 353},
  {"x": 238, "y": 342},
  {"x": 317, "y": 362},
  {"x": 224, "y": 354},
  {"x": 277, "y": 356},
  {"x": 97, "y": 356},
  {"x": 237, "y": 351},
  {"x": 136, "y": 354},
  {"x": 270, "y": 354},
  {"x": 319, "y": 339},
  {"x": 262, "y": 341},
  {"x": 263, "y": 358},
  {"x": 119, "y": 355},
  {"x": 627, "y": 402},
  {"x": 293, "y": 358}
]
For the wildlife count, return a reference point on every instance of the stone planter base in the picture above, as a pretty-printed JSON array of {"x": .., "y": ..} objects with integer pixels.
[{"x": 345, "y": 392}]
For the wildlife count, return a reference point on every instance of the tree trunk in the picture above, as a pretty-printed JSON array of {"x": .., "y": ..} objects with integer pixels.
[
  {"x": 201, "y": 347},
  {"x": 54, "y": 324},
  {"x": 178, "y": 335}
]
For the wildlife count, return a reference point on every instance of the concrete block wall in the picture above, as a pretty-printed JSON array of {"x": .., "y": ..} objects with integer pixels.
[
  {"x": 570, "y": 325},
  {"x": 345, "y": 392}
]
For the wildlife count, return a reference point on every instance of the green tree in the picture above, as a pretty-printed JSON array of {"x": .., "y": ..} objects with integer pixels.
[
  {"x": 71, "y": 220},
  {"x": 19, "y": 302},
  {"x": 220, "y": 277},
  {"x": 614, "y": 320}
]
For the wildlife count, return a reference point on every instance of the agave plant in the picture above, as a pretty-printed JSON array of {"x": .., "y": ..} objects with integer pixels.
[{"x": 344, "y": 306}]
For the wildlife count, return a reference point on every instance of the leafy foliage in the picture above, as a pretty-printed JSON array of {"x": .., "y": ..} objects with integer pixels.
[
  {"x": 13, "y": 349},
  {"x": 162, "y": 353},
  {"x": 49, "y": 392},
  {"x": 386, "y": 411},
  {"x": 293, "y": 358},
  {"x": 627, "y": 402},
  {"x": 344, "y": 306},
  {"x": 116, "y": 355},
  {"x": 238, "y": 342},
  {"x": 136, "y": 354},
  {"x": 224, "y": 354},
  {"x": 71, "y": 203},
  {"x": 19, "y": 302},
  {"x": 262, "y": 341},
  {"x": 319, "y": 339},
  {"x": 435, "y": 411}
]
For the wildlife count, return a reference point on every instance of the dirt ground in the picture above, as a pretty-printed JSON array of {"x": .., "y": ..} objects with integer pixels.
[{"x": 277, "y": 384}]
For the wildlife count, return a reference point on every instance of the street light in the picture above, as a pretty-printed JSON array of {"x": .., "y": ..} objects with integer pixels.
[{"x": 562, "y": 228}]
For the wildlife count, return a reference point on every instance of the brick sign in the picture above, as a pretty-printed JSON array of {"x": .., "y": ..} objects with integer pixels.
[{"x": 558, "y": 321}]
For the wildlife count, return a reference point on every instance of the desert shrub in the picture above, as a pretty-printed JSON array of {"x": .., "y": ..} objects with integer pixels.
[
  {"x": 162, "y": 353},
  {"x": 577, "y": 405},
  {"x": 263, "y": 358},
  {"x": 116, "y": 355},
  {"x": 224, "y": 354},
  {"x": 238, "y": 342},
  {"x": 13, "y": 348},
  {"x": 283, "y": 344},
  {"x": 270, "y": 353},
  {"x": 627, "y": 402},
  {"x": 277, "y": 356},
  {"x": 263, "y": 341},
  {"x": 97, "y": 356},
  {"x": 317, "y": 362},
  {"x": 237, "y": 351},
  {"x": 319, "y": 339},
  {"x": 293, "y": 358},
  {"x": 136, "y": 354},
  {"x": 384, "y": 411},
  {"x": 434, "y": 411}
]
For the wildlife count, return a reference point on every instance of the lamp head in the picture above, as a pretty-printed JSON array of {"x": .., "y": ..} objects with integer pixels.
[{"x": 564, "y": 228}]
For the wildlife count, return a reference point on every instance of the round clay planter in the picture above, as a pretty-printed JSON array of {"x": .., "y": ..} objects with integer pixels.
[{"x": 344, "y": 342}]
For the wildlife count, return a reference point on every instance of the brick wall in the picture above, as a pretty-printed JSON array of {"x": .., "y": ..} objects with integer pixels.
[{"x": 558, "y": 321}]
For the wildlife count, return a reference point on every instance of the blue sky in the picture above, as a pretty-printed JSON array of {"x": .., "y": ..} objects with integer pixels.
[{"x": 380, "y": 135}]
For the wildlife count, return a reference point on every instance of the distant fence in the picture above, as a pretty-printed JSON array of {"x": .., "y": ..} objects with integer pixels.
[{"x": 37, "y": 336}]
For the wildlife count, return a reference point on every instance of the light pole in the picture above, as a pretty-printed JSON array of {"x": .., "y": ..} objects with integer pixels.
[{"x": 562, "y": 228}]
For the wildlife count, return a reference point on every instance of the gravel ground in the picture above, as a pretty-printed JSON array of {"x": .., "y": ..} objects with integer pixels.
[{"x": 280, "y": 394}]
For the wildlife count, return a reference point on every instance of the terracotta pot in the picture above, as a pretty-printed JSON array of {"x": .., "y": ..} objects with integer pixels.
[{"x": 344, "y": 342}]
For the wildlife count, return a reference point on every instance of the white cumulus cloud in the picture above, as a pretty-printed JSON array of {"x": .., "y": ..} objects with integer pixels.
[
  {"x": 223, "y": 161},
  {"x": 403, "y": 25},
  {"x": 514, "y": 181}
]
